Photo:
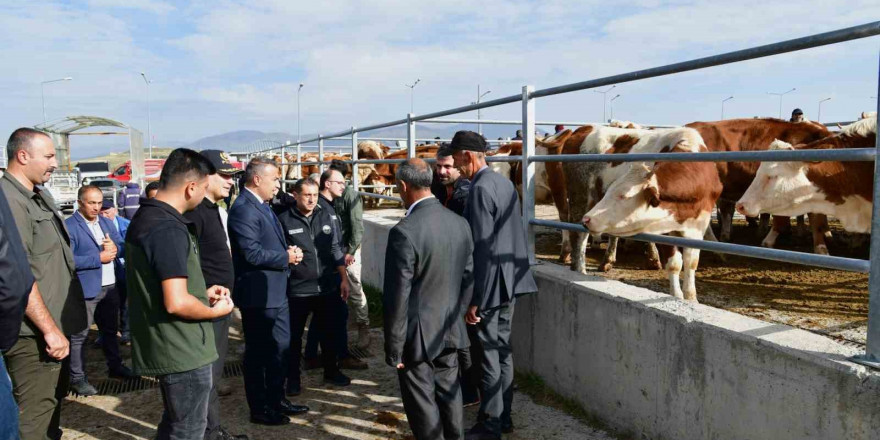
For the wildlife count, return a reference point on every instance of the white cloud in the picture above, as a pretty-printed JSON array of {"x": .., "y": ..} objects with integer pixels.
[{"x": 156, "y": 7}]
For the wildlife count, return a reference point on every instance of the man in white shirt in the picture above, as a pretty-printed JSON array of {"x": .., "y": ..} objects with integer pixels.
[{"x": 97, "y": 249}]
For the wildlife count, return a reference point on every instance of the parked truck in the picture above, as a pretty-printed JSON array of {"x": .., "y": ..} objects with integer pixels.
[
  {"x": 63, "y": 186},
  {"x": 92, "y": 170},
  {"x": 152, "y": 169}
]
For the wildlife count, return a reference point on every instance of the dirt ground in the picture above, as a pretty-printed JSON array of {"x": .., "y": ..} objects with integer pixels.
[
  {"x": 369, "y": 409},
  {"x": 826, "y": 301}
]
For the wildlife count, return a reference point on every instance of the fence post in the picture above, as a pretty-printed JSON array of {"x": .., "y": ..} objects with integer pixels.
[
  {"x": 321, "y": 152},
  {"x": 354, "y": 158},
  {"x": 528, "y": 168},
  {"x": 410, "y": 136},
  {"x": 872, "y": 351},
  {"x": 299, "y": 168},
  {"x": 284, "y": 175}
]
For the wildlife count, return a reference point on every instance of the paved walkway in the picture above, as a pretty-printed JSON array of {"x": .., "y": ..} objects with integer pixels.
[{"x": 370, "y": 409}]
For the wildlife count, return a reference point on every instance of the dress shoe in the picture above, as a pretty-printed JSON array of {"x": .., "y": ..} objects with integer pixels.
[
  {"x": 287, "y": 408},
  {"x": 311, "y": 363},
  {"x": 480, "y": 432},
  {"x": 507, "y": 427},
  {"x": 294, "y": 388},
  {"x": 121, "y": 372},
  {"x": 353, "y": 363},
  {"x": 270, "y": 417},
  {"x": 83, "y": 388},
  {"x": 337, "y": 379},
  {"x": 223, "y": 434}
]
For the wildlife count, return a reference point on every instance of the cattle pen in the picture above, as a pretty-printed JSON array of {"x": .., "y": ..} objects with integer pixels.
[{"x": 853, "y": 387}]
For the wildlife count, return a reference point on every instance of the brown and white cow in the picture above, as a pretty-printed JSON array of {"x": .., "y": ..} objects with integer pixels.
[
  {"x": 674, "y": 198},
  {"x": 755, "y": 135},
  {"x": 549, "y": 180},
  {"x": 840, "y": 189}
]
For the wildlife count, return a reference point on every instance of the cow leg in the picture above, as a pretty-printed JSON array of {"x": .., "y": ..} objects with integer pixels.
[
  {"x": 780, "y": 225},
  {"x": 764, "y": 223},
  {"x": 819, "y": 227},
  {"x": 690, "y": 261},
  {"x": 709, "y": 235},
  {"x": 725, "y": 217},
  {"x": 610, "y": 255},
  {"x": 578, "y": 258},
  {"x": 801, "y": 228},
  {"x": 653, "y": 257},
  {"x": 565, "y": 253},
  {"x": 672, "y": 262}
]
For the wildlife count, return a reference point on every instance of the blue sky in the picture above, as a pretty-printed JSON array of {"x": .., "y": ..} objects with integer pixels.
[{"x": 221, "y": 66}]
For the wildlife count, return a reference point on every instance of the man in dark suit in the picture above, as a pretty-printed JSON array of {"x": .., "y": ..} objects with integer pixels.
[
  {"x": 501, "y": 272},
  {"x": 97, "y": 250},
  {"x": 260, "y": 257},
  {"x": 428, "y": 285}
]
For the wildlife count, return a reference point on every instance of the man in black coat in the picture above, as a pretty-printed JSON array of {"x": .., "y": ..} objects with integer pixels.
[
  {"x": 448, "y": 186},
  {"x": 501, "y": 272},
  {"x": 428, "y": 284}
]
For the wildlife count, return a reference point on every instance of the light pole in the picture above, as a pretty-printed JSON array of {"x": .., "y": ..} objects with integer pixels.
[
  {"x": 612, "y": 106},
  {"x": 480, "y": 96},
  {"x": 43, "y": 95},
  {"x": 411, "y": 92},
  {"x": 298, "y": 131},
  {"x": 149, "y": 131},
  {"x": 819, "y": 115},
  {"x": 603, "y": 98},
  {"x": 780, "y": 95},
  {"x": 722, "y": 105}
]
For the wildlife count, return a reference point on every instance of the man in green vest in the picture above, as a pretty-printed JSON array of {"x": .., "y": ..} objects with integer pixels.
[{"x": 170, "y": 308}]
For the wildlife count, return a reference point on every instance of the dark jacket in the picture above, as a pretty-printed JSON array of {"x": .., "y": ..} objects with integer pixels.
[
  {"x": 501, "y": 259},
  {"x": 129, "y": 200},
  {"x": 350, "y": 212},
  {"x": 16, "y": 278},
  {"x": 319, "y": 238},
  {"x": 87, "y": 252},
  {"x": 456, "y": 201},
  {"x": 259, "y": 254},
  {"x": 428, "y": 284}
]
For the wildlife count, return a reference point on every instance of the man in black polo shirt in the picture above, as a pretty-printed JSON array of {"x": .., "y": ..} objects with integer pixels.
[
  {"x": 317, "y": 283},
  {"x": 215, "y": 255},
  {"x": 170, "y": 306}
]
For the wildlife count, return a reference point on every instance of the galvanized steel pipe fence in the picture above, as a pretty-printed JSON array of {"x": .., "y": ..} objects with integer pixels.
[{"x": 528, "y": 159}]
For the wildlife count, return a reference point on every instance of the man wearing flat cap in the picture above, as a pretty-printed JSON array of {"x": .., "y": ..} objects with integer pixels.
[
  {"x": 501, "y": 273},
  {"x": 216, "y": 260}
]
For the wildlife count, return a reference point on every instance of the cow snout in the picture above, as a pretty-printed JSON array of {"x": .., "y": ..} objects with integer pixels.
[
  {"x": 586, "y": 221},
  {"x": 741, "y": 208}
]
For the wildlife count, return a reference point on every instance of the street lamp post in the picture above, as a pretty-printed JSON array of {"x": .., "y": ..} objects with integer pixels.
[
  {"x": 480, "y": 96},
  {"x": 611, "y": 102},
  {"x": 298, "y": 131},
  {"x": 722, "y": 105},
  {"x": 411, "y": 92},
  {"x": 603, "y": 98},
  {"x": 43, "y": 95},
  {"x": 819, "y": 114},
  {"x": 780, "y": 95},
  {"x": 149, "y": 116}
]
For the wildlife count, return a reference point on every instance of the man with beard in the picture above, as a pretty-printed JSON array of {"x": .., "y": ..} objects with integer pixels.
[
  {"x": 448, "y": 186},
  {"x": 55, "y": 311},
  {"x": 210, "y": 221}
]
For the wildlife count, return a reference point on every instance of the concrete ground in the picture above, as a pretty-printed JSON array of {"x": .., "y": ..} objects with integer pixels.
[{"x": 370, "y": 409}]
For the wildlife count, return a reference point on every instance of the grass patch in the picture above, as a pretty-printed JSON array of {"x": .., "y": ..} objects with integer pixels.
[
  {"x": 374, "y": 302},
  {"x": 533, "y": 385}
]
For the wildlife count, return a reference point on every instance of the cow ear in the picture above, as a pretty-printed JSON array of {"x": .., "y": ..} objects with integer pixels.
[{"x": 653, "y": 194}]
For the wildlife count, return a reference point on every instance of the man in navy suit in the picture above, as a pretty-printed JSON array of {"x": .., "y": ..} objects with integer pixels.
[
  {"x": 97, "y": 249},
  {"x": 261, "y": 259}
]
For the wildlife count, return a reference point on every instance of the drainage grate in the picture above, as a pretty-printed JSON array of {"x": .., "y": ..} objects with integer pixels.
[{"x": 113, "y": 387}]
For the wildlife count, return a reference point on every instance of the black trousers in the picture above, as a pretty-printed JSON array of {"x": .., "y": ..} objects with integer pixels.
[
  {"x": 221, "y": 341},
  {"x": 266, "y": 345},
  {"x": 496, "y": 387},
  {"x": 432, "y": 397},
  {"x": 324, "y": 307}
]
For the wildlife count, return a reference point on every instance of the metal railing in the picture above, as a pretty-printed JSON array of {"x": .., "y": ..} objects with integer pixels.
[{"x": 528, "y": 159}]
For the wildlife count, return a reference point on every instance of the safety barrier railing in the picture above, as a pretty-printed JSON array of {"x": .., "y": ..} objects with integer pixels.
[{"x": 528, "y": 160}]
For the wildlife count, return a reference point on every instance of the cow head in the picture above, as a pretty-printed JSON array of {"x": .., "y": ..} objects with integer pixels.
[
  {"x": 631, "y": 205},
  {"x": 780, "y": 188}
]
